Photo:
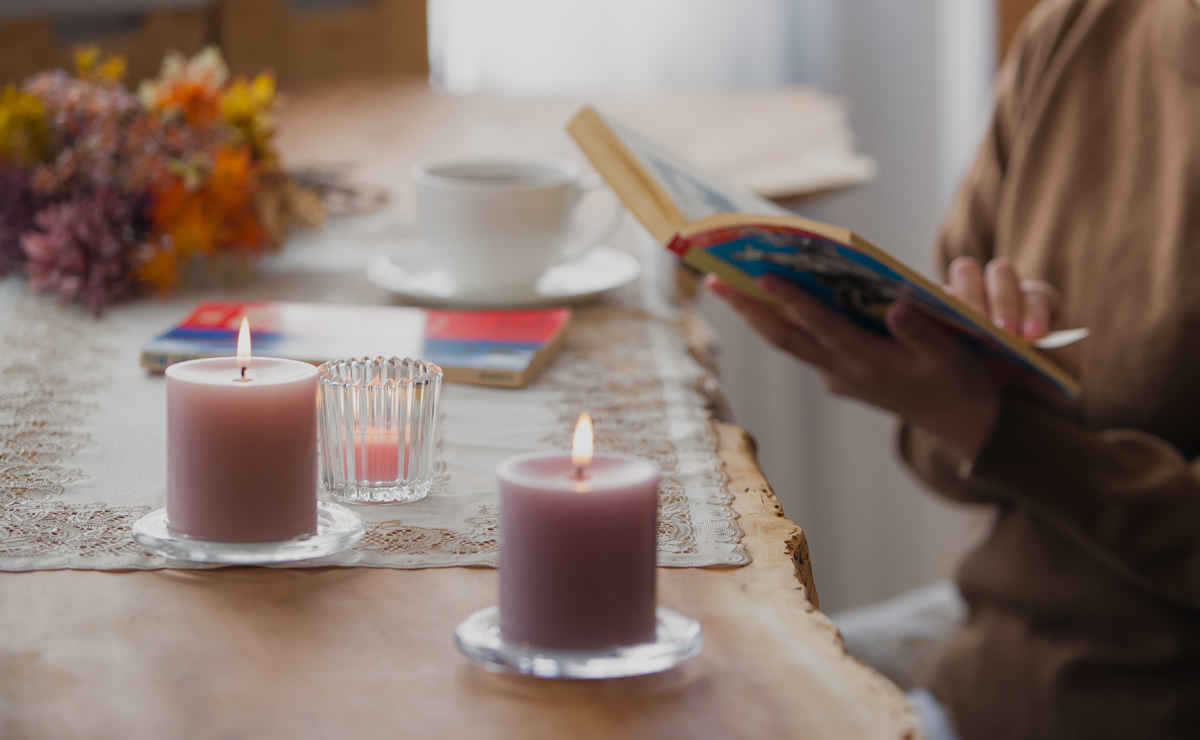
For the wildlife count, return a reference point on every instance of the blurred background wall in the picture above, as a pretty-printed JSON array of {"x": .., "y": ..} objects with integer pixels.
[
  {"x": 916, "y": 78},
  {"x": 307, "y": 43}
]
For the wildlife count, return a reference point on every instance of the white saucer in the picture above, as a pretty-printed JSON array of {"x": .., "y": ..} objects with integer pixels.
[{"x": 600, "y": 270}]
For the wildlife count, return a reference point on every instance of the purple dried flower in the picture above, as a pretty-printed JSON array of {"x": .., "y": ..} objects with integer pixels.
[
  {"x": 82, "y": 249},
  {"x": 102, "y": 138},
  {"x": 72, "y": 100},
  {"x": 16, "y": 216}
]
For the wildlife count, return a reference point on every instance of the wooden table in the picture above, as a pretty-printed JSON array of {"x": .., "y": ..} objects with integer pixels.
[{"x": 364, "y": 653}]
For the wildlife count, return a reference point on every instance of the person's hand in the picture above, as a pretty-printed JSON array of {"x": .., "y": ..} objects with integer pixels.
[
  {"x": 921, "y": 373},
  {"x": 1026, "y": 308}
]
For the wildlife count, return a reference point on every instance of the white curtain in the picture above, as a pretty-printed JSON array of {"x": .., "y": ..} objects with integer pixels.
[
  {"x": 916, "y": 75},
  {"x": 569, "y": 46}
]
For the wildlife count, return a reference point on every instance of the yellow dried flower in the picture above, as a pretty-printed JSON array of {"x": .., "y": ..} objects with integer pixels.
[
  {"x": 247, "y": 106},
  {"x": 86, "y": 58},
  {"x": 112, "y": 69},
  {"x": 93, "y": 65},
  {"x": 24, "y": 132}
]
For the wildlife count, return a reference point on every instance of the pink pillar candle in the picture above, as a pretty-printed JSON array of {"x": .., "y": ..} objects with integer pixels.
[
  {"x": 242, "y": 452},
  {"x": 577, "y": 554}
]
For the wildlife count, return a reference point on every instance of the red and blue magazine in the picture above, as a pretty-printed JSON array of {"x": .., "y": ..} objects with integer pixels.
[{"x": 504, "y": 348}]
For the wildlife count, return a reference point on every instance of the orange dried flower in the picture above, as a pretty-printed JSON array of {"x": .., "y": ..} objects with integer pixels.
[
  {"x": 196, "y": 101},
  {"x": 189, "y": 87},
  {"x": 159, "y": 268},
  {"x": 216, "y": 215}
]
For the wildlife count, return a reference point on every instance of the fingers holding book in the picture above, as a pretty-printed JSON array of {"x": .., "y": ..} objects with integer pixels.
[
  {"x": 1027, "y": 308},
  {"x": 920, "y": 372},
  {"x": 780, "y": 328}
]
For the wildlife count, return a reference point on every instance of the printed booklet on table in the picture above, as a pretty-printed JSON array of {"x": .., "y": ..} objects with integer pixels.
[{"x": 504, "y": 348}]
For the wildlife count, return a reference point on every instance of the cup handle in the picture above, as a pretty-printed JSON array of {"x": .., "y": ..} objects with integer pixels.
[{"x": 591, "y": 183}]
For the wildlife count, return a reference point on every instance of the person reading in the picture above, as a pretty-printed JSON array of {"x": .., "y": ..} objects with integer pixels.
[{"x": 1082, "y": 208}]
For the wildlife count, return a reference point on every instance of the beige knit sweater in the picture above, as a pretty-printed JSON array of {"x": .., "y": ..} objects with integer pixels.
[{"x": 1085, "y": 596}]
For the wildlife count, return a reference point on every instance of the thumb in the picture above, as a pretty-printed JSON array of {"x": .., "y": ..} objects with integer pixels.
[{"x": 916, "y": 331}]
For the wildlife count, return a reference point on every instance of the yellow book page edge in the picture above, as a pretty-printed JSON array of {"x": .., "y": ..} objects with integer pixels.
[{"x": 636, "y": 187}]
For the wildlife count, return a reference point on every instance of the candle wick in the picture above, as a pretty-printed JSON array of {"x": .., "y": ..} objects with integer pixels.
[
  {"x": 243, "y": 372},
  {"x": 580, "y": 472}
]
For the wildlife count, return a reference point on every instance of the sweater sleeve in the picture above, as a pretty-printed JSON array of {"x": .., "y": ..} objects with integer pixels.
[
  {"x": 971, "y": 223},
  {"x": 1130, "y": 498},
  {"x": 934, "y": 464},
  {"x": 969, "y": 227}
]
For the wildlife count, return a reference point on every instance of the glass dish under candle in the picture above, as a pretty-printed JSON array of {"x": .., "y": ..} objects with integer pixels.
[{"x": 377, "y": 428}]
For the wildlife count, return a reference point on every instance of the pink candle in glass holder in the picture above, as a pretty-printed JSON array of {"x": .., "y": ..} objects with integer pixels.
[
  {"x": 242, "y": 447},
  {"x": 578, "y": 540},
  {"x": 379, "y": 457}
]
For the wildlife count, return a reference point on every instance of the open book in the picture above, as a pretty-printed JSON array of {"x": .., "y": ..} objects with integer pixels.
[{"x": 718, "y": 227}]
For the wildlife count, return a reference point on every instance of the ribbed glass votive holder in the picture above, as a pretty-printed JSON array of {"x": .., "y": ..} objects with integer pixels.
[{"x": 377, "y": 428}]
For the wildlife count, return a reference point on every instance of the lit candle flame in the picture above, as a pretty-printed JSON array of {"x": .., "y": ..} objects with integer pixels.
[
  {"x": 581, "y": 447},
  {"x": 243, "y": 346}
]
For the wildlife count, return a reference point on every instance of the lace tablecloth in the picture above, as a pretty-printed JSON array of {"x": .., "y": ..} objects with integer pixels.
[{"x": 83, "y": 449}]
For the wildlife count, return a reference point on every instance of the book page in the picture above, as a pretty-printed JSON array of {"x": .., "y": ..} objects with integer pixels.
[{"x": 697, "y": 194}]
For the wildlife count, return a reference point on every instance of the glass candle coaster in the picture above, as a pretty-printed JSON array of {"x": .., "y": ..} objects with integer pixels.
[
  {"x": 377, "y": 428},
  {"x": 338, "y": 528},
  {"x": 677, "y": 638}
]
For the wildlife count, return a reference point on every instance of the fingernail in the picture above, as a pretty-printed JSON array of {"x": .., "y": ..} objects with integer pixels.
[
  {"x": 1003, "y": 324},
  {"x": 769, "y": 283},
  {"x": 1034, "y": 328},
  {"x": 902, "y": 314}
]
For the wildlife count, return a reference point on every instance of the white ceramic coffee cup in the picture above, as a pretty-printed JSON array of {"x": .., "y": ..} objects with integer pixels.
[{"x": 499, "y": 223}]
